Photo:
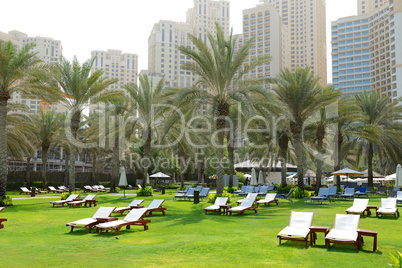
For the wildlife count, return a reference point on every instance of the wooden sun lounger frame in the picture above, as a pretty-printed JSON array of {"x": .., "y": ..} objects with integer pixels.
[
  {"x": 65, "y": 201},
  {"x": 244, "y": 210},
  {"x": 121, "y": 211},
  {"x": 128, "y": 224},
  {"x": 89, "y": 226},
  {"x": 294, "y": 238},
  {"x": 160, "y": 208},
  {"x": 79, "y": 203}
]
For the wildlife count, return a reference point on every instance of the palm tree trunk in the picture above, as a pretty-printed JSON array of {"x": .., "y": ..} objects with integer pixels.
[
  {"x": 338, "y": 146},
  {"x": 3, "y": 146},
  {"x": 66, "y": 167},
  {"x": 299, "y": 158},
  {"x": 230, "y": 147},
  {"x": 94, "y": 160},
  {"x": 71, "y": 181},
  {"x": 320, "y": 138},
  {"x": 220, "y": 125},
  {"x": 283, "y": 149},
  {"x": 28, "y": 171},
  {"x": 44, "y": 166},
  {"x": 74, "y": 125},
  {"x": 199, "y": 166},
  {"x": 370, "y": 155},
  {"x": 115, "y": 166},
  {"x": 147, "y": 154}
]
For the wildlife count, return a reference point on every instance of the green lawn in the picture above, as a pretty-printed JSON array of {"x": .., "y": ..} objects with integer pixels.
[{"x": 35, "y": 234}]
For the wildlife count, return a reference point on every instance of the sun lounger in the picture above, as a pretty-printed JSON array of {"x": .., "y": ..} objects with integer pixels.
[
  {"x": 219, "y": 201},
  {"x": 298, "y": 228},
  {"x": 263, "y": 190},
  {"x": 156, "y": 205},
  {"x": 54, "y": 190},
  {"x": 247, "y": 204},
  {"x": 323, "y": 194},
  {"x": 105, "y": 188},
  {"x": 247, "y": 190},
  {"x": 71, "y": 198},
  {"x": 359, "y": 206},
  {"x": 399, "y": 197},
  {"x": 88, "y": 199},
  {"x": 133, "y": 204},
  {"x": 1, "y": 220},
  {"x": 287, "y": 196},
  {"x": 332, "y": 192},
  {"x": 249, "y": 195},
  {"x": 185, "y": 190},
  {"x": 24, "y": 190},
  {"x": 382, "y": 190},
  {"x": 190, "y": 192},
  {"x": 388, "y": 207},
  {"x": 361, "y": 191},
  {"x": 344, "y": 231},
  {"x": 134, "y": 217},
  {"x": 63, "y": 188},
  {"x": 349, "y": 193},
  {"x": 98, "y": 189},
  {"x": 102, "y": 214},
  {"x": 271, "y": 187},
  {"x": 269, "y": 198},
  {"x": 88, "y": 188}
]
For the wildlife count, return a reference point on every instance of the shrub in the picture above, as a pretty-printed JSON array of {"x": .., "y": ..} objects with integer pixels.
[
  {"x": 375, "y": 189},
  {"x": 7, "y": 201},
  {"x": 117, "y": 189},
  {"x": 230, "y": 189},
  {"x": 299, "y": 193},
  {"x": 283, "y": 190},
  {"x": 65, "y": 195},
  {"x": 309, "y": 188},
  {"x": 212, "y": 197},
  {"x": 240, "y": 177},
  {"x": 145, "y": 191}
]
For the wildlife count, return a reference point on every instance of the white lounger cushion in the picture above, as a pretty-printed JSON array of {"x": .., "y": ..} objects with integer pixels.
[
  {"x": 293, "y": 231},
  {"x": 249, "y": 195},
  {"x": 84, "y": 222},
  {"x": 388, "y": 205},
  {"x": 135, "y": 202},
  {"x": 212, "y": 207},
  {"x": 359, "y": 205},
  {"x": 335, "y": 234},
  {"x": 268, "y": 198}
]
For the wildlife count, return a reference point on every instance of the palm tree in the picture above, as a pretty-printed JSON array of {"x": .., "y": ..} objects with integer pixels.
[
  {"x": 380, "y": 128},
  {"x": 146, "y": 98},
  {"x": 319, "y": 128},
  {"x": 221, "y": 71},
  {"x": 76, "y": 87},
  {"x": 17, "y": 72},
  {"x": 299, "y": 96},
  {"x": 47, "y": 124}
]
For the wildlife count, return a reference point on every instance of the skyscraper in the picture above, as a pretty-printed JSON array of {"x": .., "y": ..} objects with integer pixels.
[
  {"x": 306, "y": 21},
  {"x": 164, "y": 57},
  {"x": 116, "y": 65},
  {"x": 367, "y": 52},
  {"x": 264, "y": 24},
  {"x": 48, "y": 50}
]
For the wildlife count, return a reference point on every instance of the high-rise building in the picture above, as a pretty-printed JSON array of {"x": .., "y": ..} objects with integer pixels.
[
  {"x": 116, "y": 65},
  {"x": 368, "y": 6},
  {"x": 48, "y": 50},
  {"x": 367, "y": 53},
  {"x": 306, "y": 22},
  {"x": 164, "y": 57},
  {"x": 264, "y": 24}
]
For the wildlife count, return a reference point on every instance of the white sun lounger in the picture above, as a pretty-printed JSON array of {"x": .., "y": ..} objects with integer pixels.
[{"x": 298, "y": 228}]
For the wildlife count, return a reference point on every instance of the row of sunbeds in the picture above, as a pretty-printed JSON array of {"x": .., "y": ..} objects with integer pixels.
[
  {"x": 103, "y": 221},
  {"x": 188, "y": 193}
]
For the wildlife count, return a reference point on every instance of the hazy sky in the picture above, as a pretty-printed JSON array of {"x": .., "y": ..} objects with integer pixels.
[{"x": 86, "y": 25}]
